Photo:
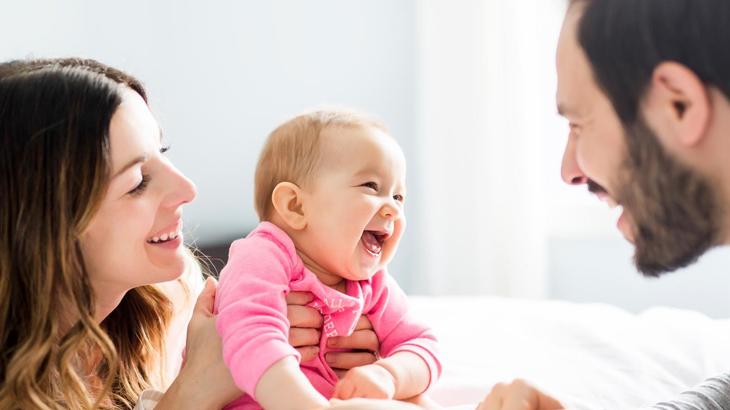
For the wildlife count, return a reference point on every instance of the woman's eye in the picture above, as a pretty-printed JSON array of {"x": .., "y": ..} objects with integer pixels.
[
  {"x": 371, "y": 185},
  {"x": 141, "y": 187}
]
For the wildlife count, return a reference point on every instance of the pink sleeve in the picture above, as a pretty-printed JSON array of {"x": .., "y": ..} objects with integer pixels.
[
  {"x": 251, "y": 307},
  {"x": 397, "y": 330}
]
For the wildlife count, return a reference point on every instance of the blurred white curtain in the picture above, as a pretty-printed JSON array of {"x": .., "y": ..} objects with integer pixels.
[{"x": 486, "y": 102}]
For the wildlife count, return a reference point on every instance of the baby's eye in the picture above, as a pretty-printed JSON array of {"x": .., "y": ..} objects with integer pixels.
[
  {"x": 398, "y": 198},
  {"x": 371, "y": 185},
  {"x": 165, "y": 149}
]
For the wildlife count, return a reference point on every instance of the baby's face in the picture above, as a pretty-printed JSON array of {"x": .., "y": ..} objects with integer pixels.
[{"x": 355, "y": 207}]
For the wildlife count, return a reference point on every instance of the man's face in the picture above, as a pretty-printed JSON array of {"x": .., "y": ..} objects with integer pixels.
[{"x": 669, "y": 211}]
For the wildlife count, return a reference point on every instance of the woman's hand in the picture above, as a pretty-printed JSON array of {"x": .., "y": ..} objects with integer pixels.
[
  {"x": 305, "y": 335},
  {"x": 305, "y": 324},
  {"x": 518, "y": 395},
  {"x": 204, "y": 381}
]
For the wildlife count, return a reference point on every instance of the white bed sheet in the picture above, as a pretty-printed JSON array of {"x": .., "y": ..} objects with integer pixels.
[{"x": 592, "y": 356}]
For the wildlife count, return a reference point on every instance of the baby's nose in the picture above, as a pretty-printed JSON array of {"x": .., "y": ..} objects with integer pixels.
[{"x": 391, "y": 211}]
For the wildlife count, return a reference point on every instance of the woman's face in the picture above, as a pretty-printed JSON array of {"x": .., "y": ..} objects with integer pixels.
[{"x": 143, "y": 203}]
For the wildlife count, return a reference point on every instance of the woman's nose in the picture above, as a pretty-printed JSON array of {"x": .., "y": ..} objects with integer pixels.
[
  {"x": 182, "y": 191},
  {"x": 569, "y": 170}
]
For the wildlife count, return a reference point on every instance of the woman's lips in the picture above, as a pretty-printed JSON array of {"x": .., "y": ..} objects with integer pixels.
[{"x": 167, "y": 234}]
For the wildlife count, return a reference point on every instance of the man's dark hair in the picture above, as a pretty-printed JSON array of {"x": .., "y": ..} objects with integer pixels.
[{"x": 624, "y": 41}]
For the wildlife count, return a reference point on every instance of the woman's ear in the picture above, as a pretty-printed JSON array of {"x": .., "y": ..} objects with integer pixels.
[
  {"x": 288, "y": 203},
  {"x": 677, "y": 105}
]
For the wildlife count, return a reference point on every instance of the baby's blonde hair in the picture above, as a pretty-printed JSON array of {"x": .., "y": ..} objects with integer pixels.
[{"x": 292, "y": 151}]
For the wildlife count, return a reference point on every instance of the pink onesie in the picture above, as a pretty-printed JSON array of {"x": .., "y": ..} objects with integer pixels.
[{"x": 252, "y": 313}]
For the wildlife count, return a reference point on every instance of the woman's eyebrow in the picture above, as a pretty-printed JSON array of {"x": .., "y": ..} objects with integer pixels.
[
  {"x": 132, "y": 163},
  {"x": 138, "y": 160}
]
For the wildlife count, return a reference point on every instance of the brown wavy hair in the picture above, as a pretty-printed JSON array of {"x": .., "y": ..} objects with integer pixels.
[{"x": 54, "y": 171}]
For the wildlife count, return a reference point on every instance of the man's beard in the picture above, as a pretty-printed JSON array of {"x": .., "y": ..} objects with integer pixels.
[{"x": 674, "y": 210}]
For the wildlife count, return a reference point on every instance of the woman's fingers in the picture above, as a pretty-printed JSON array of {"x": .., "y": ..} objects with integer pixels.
[
  {"x": 299, "y": 337},
  {"x": 298, "y": 298},
  {"x": 358, "y": 340},
  {"x": 307, "y": 352},
  {"x": 345, "y": 360},
  {"x": 363, "y": 323},
  {"x": 206, "y": 300},
  {"x": 340, "y": 372},
  {"x": 304, "y": 317}
]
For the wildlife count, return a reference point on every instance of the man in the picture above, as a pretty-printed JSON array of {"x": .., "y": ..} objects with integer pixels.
[{"x": 645, "y": 87}]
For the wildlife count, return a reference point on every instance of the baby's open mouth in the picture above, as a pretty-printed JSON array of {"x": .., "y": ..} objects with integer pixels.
[{"x": 373, "y": 241}]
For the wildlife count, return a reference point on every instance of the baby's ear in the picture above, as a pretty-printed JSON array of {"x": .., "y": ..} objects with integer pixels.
[{"x": 288, "y": 200}]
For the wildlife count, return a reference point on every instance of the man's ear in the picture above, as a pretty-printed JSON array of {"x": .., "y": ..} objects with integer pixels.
[
  {"x": 288, "y": 203},
  {"x": 677, "y": 105}
]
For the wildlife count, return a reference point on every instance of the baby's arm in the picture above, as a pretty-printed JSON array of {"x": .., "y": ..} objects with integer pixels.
[
  {"x": 284, "y": 386},
  {"x": 410, "y": 364},
  {"x": 400, "y": 376},
  {"x": 252, "y": 322},
  {"x": 410, "y": 373}
]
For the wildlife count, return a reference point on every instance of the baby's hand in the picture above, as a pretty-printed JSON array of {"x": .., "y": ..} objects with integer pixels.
[{"x": 371, "y": 381}]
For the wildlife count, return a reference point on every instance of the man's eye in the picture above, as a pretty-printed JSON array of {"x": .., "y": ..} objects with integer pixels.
[
  {"x": 371, "y": 185},
  {"x": 141, "y": 187}
]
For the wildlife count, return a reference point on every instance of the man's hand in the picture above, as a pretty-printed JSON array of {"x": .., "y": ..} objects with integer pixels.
[
  {"x": 305, "y": 335},
  {"x": 518, "y": 395},
  {"x": 370, "y": 382}
]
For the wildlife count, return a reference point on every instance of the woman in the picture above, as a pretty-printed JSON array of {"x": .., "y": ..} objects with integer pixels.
[{"x": 97, "y": 287}]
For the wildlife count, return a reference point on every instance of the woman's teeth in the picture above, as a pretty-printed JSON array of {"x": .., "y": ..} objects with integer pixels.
[{"x": 164, "y": 237}]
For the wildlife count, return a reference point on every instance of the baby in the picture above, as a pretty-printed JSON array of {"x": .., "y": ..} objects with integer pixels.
[{"x": 329, "y": 190}]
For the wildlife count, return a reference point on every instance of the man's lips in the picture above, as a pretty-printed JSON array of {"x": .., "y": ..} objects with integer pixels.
[
  {"x": 605, "y": 197},
  {"x": 623, "y": 224}
]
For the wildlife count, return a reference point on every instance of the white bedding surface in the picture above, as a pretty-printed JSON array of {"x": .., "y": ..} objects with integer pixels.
[{"x": 591, "y": 356}]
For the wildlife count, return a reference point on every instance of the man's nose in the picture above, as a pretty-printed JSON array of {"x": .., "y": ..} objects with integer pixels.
[{"x": 569, "y": 170}]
